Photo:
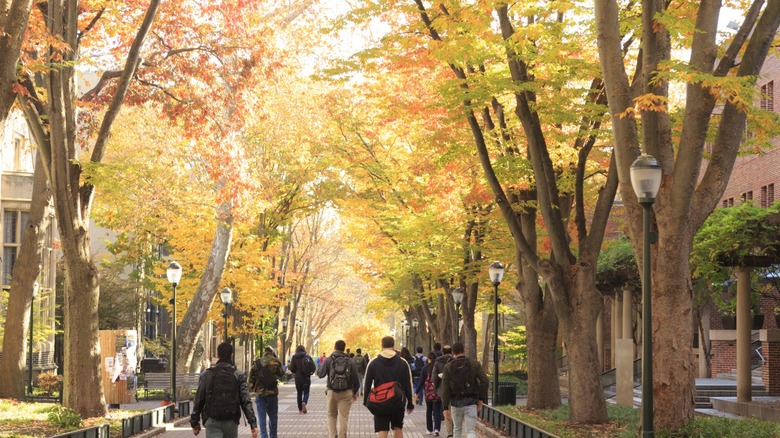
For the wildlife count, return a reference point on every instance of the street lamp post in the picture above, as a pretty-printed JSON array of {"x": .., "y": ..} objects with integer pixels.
[
  {"x": 284, "y": 335},
  {"x": 313, "y": 333},
  {"x": 226, "y": 295},
  {"x": 415, "y": 323},
  {"x": 646, "y": 180},
  {"x": 36, "y": 286},
  {"x": 496, "y": 272},
  {"x": 457, "y": 296},
  {"x": 298, "y": 325},
  {"x": 174, "y": 276}
]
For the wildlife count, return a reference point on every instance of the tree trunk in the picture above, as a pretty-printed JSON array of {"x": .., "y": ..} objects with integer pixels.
[
  {"x": 541, "y": 334},
  {"x": 27, "y": 268},
  {"x": 578, "y": 324},
  {"x": 13, "y": 23},
  {"x": 82, "y": 374},
  {"x": 198, "y": 310},
  {"x": 673, "y": 360}
]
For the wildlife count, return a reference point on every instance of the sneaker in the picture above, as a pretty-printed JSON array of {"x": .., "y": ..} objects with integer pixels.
[
  {"x": 436, "y": 433},
  {"x": 428, "y": 432},
  {"x": 304, "y": 410}
]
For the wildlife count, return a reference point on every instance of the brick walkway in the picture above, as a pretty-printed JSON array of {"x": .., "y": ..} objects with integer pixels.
[{"x": 314, "y": 423}]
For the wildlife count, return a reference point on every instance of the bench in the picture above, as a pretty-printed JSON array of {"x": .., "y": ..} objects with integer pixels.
[{"x": 163, "y": 381}]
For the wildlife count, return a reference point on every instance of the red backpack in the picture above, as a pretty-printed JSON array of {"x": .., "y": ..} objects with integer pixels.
[{"x": 430, "y": 390}]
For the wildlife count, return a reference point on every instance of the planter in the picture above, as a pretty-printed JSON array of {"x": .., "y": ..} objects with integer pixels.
[
  {"x": 758, "y": 322},
  {"x": 729, "y": 322}
]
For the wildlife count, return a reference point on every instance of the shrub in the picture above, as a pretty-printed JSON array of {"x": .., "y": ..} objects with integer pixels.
[
  {"x": 63, "y": 417},
  {"x": 49, "y": 383}
]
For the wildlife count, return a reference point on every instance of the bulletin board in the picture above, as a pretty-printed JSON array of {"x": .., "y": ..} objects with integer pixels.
[{"x": 119, "y": 360}]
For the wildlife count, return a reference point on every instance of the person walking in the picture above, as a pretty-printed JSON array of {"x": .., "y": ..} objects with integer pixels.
[
  {"x": 389, "y": 367},
  {"x": 438, "y": 370},
  {"x": 302, "y": 366},
  {"x": 264, "y": 381},
  {"x": 342, "y": 389},
  {"x": 221, "y": 412},
  {"x": 360, "y": 365},
  {"x": 464, "y": 390},
  {"x": 433, "y": 408},
  {"x": 417, "y": 367}
]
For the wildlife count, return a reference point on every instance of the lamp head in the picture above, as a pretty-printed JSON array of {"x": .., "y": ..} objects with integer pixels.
[
  {"x": 173, "y": 273},
  {"x": 457, "y": 295},
  {"x": 226, "y": 295},
  {"x": 496, "y": 271},
  {"x": 284, "y": 322},
  {"x": 646, "y": 178},
  {"x": 415, "y": 322},
  {"x": 36, "y": 288},
  {"x": 313, "y": 332}
]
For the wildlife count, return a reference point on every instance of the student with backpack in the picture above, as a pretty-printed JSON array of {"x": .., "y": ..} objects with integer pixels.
[
  {"x": 464, "y": 389},
  {"x": 438, "y": 371},
  {"x": 417, "y": 368},
  {"x": 388, "y": 390},
  {"x": 222, "y": 395},
  {"x": 433, "y": 409},
  {"x": 264, "y": 381},
  {"x": 302, "y": 366},
  {"x": 343, "y": 386},
  {"x": 360, "y": 365}
]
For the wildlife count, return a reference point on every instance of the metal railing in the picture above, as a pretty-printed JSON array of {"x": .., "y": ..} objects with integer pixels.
[
  {"x": 99, "y": 431},
  {"x": 511, "y": 426}
]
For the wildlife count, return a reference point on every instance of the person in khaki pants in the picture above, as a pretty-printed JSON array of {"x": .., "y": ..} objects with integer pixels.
[{"x": 343, "y": 386}]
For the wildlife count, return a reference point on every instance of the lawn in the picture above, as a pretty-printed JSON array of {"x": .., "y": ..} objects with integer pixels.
[
  {"x": 35, "y": 420},
  {"x": 624, "y": 423}
]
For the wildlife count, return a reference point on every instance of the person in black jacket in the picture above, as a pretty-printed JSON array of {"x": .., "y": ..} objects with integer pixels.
[
  {"x": 229, "y": 427},
  {"x": 389, "y": 367},
  {"x": 302, "y": 378}
]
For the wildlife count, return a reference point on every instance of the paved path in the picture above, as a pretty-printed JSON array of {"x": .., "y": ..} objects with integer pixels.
[{"x": 314, "y": 423}]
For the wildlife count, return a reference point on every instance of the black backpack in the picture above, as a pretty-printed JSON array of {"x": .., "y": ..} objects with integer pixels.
[
  {"x": 463, "y": 380},
  {"x": 419, "y": 364},
  {"x": 222, "y": 400},
  {"x": 340, "y": 373},
  {"x": 360, "y": 363},
  {"x": 309, "y": 367}
]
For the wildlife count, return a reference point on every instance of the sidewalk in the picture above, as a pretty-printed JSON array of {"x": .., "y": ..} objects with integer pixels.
[{"x": 315, "y": 423}]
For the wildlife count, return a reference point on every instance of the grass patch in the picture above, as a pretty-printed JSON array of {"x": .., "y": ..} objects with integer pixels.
[
  {"x": 624, "y": 423},
  {"x": 31, "y": 420}
]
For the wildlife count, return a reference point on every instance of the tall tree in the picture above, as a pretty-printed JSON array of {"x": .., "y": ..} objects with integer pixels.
[
  {"x": 718, "y": 72},
  {"x": 73, "y": 196}
]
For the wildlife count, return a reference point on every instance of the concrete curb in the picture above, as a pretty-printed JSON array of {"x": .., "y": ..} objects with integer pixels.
[{"x": 487, "y": 431}]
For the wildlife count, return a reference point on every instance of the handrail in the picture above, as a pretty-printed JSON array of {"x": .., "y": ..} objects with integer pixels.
[{"x": 609, "y": 378}]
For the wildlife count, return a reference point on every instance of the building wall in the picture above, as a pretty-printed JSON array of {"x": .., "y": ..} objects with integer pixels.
[{"x": 17, "y": 154}]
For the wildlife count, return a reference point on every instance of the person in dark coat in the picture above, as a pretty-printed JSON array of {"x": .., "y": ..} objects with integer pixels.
[
  {"x": 302, "y": 378},
  {"x": 389, "y": 367},
  {"x": 226, "y": 428}
]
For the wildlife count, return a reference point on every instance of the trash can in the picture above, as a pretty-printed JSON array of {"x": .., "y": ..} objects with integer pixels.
[{"x": 507, "y": 393}]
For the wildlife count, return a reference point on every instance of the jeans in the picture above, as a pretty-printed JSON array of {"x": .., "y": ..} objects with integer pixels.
[
  {"x": 464, "y": 421},
  {"x": 268, "y": 405},
  {"x": 302, "y": 385},
  {"x": 433, "y": 414},
  {"x": 221, "y": 428}
]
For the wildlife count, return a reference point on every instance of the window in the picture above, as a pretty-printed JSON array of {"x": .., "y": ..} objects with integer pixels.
[
  {"x": 18, "y": 152},
  {"x": 768, "y": 96},
  {"x": 729, "y": 202},
  {"x": 747, "y": 196},
  {"x": 14, "y": 223},
  {"x": 767, "y": 195}
]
